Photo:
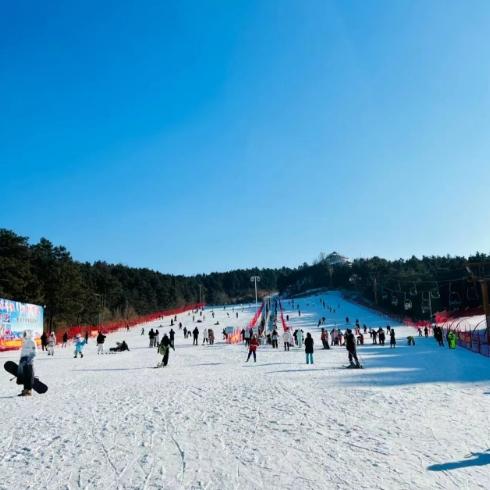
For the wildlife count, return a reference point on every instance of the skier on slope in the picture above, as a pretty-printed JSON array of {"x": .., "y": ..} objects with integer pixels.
[
  {"x": 65, "y": 340},
  {"x": 171, "y": 335},
  {"x": 164, "y": 350},
  {"x": 350, "y": 345},
  {"x": 25, "y": 373},
  {"x": 157, "y": 338}
]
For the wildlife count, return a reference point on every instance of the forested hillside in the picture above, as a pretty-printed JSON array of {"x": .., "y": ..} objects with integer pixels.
[
  {"x": 88, "y": 293},
  {"x": 82, "y": 293}
]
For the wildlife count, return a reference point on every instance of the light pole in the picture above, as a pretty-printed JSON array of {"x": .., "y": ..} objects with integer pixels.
[
  {"x": 255, "y": 280},
  {"x": 200, "y": 294}
]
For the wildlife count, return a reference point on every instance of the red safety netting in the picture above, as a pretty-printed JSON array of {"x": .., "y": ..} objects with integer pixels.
[
  {"x": 236, "y": 336},
  {"x": 285, "y": 326}
]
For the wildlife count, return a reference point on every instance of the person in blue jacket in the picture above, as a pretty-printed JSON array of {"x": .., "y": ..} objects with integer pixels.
[{"x": 79, "y": 345}]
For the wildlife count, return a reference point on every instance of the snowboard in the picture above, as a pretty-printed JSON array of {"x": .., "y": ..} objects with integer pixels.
[{"x": 38, "y": 386}]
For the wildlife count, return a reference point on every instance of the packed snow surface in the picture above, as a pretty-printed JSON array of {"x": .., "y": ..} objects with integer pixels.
[{"x": 414, "y": 418}]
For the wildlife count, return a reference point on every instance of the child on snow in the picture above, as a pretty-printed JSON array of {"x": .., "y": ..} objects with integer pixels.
[{"x": 79, "y": 345}]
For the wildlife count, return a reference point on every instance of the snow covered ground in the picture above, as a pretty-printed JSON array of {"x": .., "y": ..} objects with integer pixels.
[{"x": 415, "y": 418}]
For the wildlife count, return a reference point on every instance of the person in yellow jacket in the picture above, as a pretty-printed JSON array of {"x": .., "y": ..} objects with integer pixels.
[{"x": 452, "y": 339}]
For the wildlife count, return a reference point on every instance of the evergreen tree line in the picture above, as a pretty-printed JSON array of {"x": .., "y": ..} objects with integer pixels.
[
  {"x": 415, "y": 287},
  {"x": 75, "y": 293}
]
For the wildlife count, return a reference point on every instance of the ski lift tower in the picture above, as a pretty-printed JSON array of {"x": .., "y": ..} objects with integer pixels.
[{"x": 255, "y": 280}]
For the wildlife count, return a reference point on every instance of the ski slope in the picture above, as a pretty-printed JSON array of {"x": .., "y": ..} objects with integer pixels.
[{"x": 410, "y": 420}]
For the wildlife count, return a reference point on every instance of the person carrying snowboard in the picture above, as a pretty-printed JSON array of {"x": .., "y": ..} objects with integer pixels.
[
  {"x": 252, "y": 348},
  {"x": 164, "y": 350},
  {"x": 100, "y": 343},
  {"x": 309, "y": 348},
  {"x": 350, "y": 345},
  {"x": 25, "y": 374},
  {"x": 79, "y": 345}
]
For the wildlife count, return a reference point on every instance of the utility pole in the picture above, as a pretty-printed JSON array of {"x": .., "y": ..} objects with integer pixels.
[
  {"x": 200, "y": 294},
  {"x": 255, "y": 280}
]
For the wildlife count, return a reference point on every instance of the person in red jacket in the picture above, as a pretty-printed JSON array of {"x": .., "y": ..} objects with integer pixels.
[{"x": 252, "y": 348}]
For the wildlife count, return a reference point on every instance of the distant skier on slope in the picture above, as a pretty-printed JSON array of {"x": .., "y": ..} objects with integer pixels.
[{"x": 350, "y": 345}]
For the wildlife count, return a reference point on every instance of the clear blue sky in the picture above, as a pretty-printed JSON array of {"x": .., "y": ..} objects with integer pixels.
[{"x": 198, "y": 136}]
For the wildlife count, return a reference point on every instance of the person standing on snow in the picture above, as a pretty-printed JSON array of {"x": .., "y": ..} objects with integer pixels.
[
  {"x": 151, "y": 336},
  {"x": 44, "y": 341},
  {"x": 65, "y": 340},
  {"x": 156, "y": 341},
  {"x": 247, "y": 335},
  {"x": 275, "y": 338},
  {"x": 25, "y": 373},
  {"x": 51, "y": 343},
  {"x": 172, "y": 338},
  {"x": 205, "y": 336},
  {"x": 79, "y": 345},
  {"x": 286, "y": 337},
  {"x": 252, "y": 348},
  {"x": 392, "y": 339},
  {"x": 324, "y": 339},
  {"x": 309, "y": 348},
  {"x": 195, "y": 335},
  {"x": 350, "y": 345},
  {"x": 100, "y": 343},
  {"x": 164, "y": 350}
]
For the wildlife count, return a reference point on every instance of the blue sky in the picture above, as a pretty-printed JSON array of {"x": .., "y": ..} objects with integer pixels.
[{"x": 198, "y": 136}]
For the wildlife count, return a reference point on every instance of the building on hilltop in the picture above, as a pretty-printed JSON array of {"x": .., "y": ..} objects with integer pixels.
[{"x": 335, "y": 259}]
